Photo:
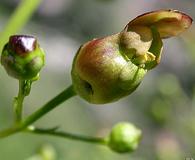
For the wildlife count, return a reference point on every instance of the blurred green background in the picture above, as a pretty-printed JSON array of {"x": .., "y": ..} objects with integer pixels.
[{"x": 163, "y": 106}]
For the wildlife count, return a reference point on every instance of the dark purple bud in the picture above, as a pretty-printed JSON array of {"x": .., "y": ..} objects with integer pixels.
[{"x": 22, "y": 44}]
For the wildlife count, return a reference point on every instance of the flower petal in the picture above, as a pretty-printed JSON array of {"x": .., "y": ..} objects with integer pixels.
[{"x": 168, "y": 22}]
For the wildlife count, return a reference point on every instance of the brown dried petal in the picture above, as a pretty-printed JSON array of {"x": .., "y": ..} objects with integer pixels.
[{"x": 168, "y": 22}]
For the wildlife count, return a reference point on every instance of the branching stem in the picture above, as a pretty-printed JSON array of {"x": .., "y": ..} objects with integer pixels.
[
  {"x": 53, "y": 103},
  {"x": 53, "y": 132}
]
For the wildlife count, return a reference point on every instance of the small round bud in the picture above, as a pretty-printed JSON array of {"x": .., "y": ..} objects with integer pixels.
[
  {"x": 22, "y": 57},
  {"x": 124, "y": 138}
]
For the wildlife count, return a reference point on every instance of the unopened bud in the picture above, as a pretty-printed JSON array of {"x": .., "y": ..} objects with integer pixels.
[
  {"x": 124, "y": 138},
  {"x": 22, "y": 57}
]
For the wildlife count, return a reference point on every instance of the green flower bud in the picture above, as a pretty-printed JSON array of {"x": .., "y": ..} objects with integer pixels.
[
  {"x": 22, "y": 57},
  {"x": 124, "y": 137},
  {"x": 107, "y": 69}
]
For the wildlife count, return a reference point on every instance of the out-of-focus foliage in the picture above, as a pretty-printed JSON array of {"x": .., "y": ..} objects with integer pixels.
[{"x": 163, "y": 106}]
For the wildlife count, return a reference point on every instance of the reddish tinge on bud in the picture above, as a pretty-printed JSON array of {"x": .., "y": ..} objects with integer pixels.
[{"x": 107, "y": 69}]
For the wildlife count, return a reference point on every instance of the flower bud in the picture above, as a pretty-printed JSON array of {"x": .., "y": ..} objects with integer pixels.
[
  {"x": 22, "y": 57},
  {"x": 107, "y": 69},
  {"x": 104, "y": 70},
  {"x": 124, "y": 137}
]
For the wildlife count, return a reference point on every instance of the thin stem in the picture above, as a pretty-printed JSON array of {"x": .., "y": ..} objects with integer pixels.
[
  {"x": 25, "y": 125},
  {"x": 53, "y": 103},
  {"x": 72, "y": 136},
  {"x": 18, "y": 19},
  {"x": 18, "y": 101}
]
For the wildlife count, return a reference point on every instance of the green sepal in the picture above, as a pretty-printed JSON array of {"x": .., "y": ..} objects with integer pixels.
[
  {"x": 155, "y": 49},
  {"x": 131, "y": 76}
]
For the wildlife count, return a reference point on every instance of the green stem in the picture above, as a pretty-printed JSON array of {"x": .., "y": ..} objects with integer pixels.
[
  {"x": 53, "y": 103},
  {"x": 18, "y": 101},
  {"x": 9, "y": 131},
  {"x": 52, "y": 132},
  {"x": 25, "y": 125},
  {"x": 18, "y": 19}
]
